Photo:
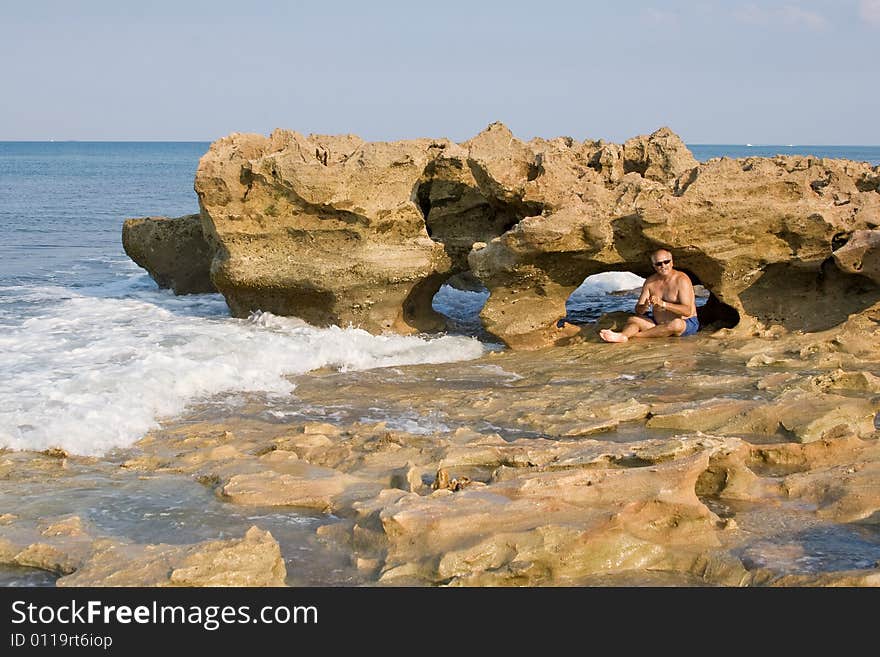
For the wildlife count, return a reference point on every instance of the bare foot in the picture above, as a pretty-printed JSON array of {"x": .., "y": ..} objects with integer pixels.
[{"x": 612, "y": 336}]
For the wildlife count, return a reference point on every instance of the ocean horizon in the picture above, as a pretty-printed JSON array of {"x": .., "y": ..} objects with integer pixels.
[{"x": 706, "y": 150}]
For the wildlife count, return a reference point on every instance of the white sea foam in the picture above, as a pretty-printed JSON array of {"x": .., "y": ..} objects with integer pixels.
[
  {"x": 410, "y": 422},
  {"x": 96, "y": 368},
  {"x": 609, "y": 281}
]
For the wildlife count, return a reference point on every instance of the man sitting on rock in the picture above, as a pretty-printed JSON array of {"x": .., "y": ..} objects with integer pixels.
[{"x": 666, "y": 306}]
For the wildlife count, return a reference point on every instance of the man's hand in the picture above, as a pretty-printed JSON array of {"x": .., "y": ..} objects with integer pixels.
[{"x": 656, "y": 300}]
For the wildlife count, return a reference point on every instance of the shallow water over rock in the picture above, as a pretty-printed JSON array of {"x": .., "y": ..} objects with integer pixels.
[{"x": 669, "y": 462}]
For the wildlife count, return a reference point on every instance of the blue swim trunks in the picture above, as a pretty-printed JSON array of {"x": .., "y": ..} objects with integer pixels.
[{"x": 691, "y": 324}]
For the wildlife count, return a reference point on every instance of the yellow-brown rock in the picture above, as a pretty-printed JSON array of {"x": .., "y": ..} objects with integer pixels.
[
  {"x": 550, "y": 526},
  {"x": 325, "y": 228},
  {"x": 307, "y": 486},
  {"x": 174, "y": 252},
  {"x": 340, "y": 231},
  {"x": 861, "y": 254},
  {"x": 254, "y": 560}
]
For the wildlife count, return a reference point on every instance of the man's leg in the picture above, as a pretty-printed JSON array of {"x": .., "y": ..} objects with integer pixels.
[
  {"x": 674, "y": 328},
  {"x": 634, "y": 326}
]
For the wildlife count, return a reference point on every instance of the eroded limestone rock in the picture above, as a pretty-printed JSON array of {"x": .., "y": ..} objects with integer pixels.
[
  {"x": 254, "y": 560},
  {"x": 324, "y": 228},
  {"x": 336, "y": 230},
  {"x": 310, "y": 486},
  {"x": 549, "y": 525},
  {"x": 58, "y": 545},
  {"x": 174, "y": 251},
  {"x": 861, "y": 254}
]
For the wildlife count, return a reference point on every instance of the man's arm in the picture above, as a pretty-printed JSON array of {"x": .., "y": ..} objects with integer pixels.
[{"x": 642, "y": 304}]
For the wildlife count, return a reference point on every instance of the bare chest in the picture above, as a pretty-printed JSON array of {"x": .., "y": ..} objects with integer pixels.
[{"x": 667, "y": 290}]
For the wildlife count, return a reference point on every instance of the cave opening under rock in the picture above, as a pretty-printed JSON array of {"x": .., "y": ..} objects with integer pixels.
[
  {"x": 618, "y": 291},
  {"x": 815, "y": 299},
  {"x": 606, "y": 292},
  {"x": 460, "y": 300}
]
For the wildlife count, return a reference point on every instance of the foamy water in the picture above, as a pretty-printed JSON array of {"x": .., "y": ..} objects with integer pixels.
[
  {"x": 93, "y": 355},
  {"x": 96, "y": 368},
  {"x": 90, "y": 369},
  {"x": 609, "y": 281}
]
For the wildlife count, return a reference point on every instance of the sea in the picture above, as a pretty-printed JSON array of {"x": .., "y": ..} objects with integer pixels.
[{"x": 94, "y": 355}]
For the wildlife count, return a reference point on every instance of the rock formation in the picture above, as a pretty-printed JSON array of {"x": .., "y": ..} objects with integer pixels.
[
  {"x": 340, "y": 231},
  {"x": 254, "y": 560},
  {"x": 75, "y": 549},
  {"x": 861, "y": 255},
  {"x": 173, "y": 251},
  {"x": 324, "y": 228}
]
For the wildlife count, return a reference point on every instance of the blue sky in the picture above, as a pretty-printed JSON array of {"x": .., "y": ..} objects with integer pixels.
[{"x": 774, "y": 72}]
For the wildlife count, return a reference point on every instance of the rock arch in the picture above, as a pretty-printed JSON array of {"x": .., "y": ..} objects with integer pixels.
[{"x": 338, "y": 230}]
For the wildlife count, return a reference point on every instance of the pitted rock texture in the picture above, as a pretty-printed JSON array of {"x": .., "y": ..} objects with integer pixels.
[
  {"x": 336, "y": 230},
  {"x": 861, "y": 255},
  {"x": 174, "y": 252},
  {"x": 324, "y": 228},
  {"x": 254, "y": 560}
]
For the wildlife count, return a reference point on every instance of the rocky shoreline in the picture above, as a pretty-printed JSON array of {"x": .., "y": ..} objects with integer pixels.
[
  {"x": 710, "y": 461},
  {"x": 745, "y": 455}
]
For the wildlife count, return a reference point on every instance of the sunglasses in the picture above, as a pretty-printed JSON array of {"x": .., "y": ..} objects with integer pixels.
[{"x": 662, "y": 262}]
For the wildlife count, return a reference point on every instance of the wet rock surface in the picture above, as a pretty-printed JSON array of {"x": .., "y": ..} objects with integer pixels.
[{"x": 686, "y": 462}]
